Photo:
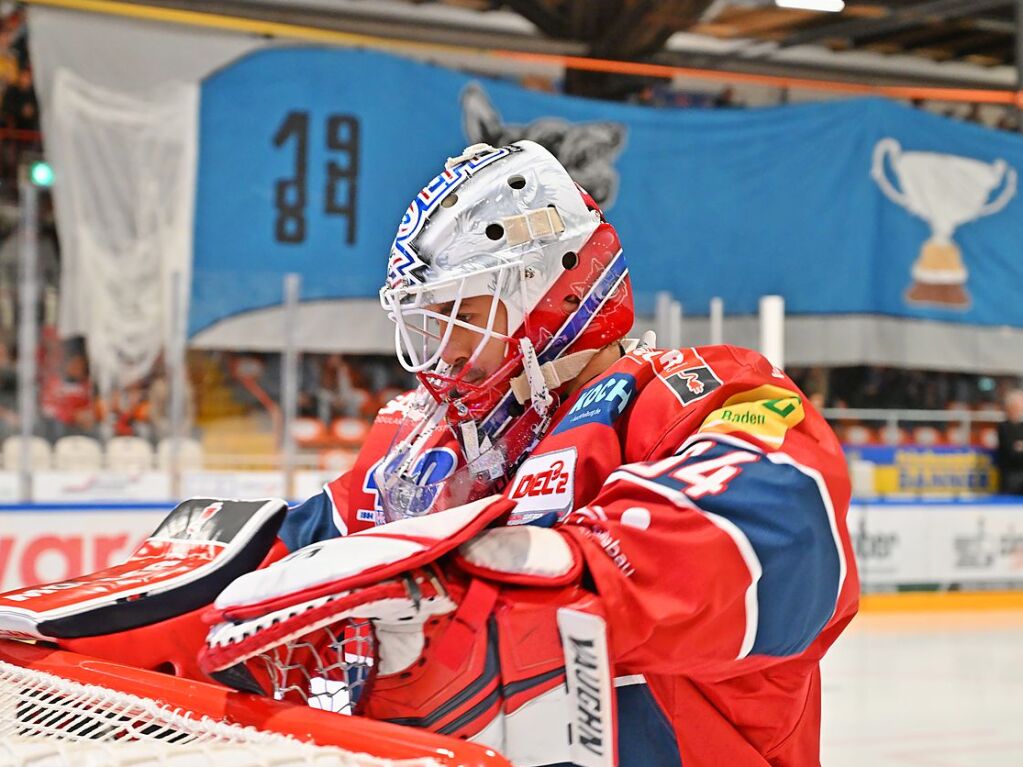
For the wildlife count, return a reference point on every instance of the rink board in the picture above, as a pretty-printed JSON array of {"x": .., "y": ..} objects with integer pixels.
[
  {"x": 935, "y": 544},
  {"x": 899, "y": 545},
  {"x": 84, "y": 521}
]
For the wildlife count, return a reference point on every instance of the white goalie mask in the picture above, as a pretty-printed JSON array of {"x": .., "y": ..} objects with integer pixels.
[{"x": 511, "y": 224}]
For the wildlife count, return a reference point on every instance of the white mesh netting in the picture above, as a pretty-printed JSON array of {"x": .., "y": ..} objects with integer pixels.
[
  {"x": 327, "y": 668},
  {"x": 49, "y": 720},
  {"x": 125, "y": 199}
]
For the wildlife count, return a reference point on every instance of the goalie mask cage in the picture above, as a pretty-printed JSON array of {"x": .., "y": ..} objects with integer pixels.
[{"x": 61, "y": 708}]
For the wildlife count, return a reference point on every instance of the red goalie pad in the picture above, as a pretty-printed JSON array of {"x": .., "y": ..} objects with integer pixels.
[
  {"x": 525, "y": 672},
  {"x": 145, "y": 611}
]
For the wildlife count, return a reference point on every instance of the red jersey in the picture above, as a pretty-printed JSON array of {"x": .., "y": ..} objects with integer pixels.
[{"x": 709, "y": 500}]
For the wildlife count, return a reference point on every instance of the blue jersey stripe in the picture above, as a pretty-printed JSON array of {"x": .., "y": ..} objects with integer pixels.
[
  {"x": 780, "y": 510},
  {"x": 309, "y": 522},
  {"x": 645, "y": 735}
]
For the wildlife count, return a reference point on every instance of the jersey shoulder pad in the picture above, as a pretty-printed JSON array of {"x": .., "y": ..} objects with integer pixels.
[{"x": 717, "y": 389}]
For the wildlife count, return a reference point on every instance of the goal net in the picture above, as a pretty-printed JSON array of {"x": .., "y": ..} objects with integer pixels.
[{"x": 59, "y": 708}]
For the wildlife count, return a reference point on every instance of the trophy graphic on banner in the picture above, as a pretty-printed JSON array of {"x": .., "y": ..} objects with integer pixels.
[{"x": 946, "y": 191}]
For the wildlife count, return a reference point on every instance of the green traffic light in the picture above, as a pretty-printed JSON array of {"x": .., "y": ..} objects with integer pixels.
[{"x": 41, "y": 174}]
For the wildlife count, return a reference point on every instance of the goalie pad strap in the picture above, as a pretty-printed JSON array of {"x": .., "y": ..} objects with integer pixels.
[{"x": 470, "y": 618}]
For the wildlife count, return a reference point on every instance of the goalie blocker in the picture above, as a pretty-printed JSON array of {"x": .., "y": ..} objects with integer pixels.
[
  {"x": 480, "y": 633},
  {"x": 146, "y": 611}
]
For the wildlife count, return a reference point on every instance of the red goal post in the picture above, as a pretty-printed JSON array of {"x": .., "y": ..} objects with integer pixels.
[{"x": 66, "y": 696}]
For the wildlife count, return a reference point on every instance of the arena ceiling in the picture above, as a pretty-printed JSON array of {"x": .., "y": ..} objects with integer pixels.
[
  {"x": 975, "y": 31},
  {"x": 978, "y": 32},
  {"x": 932, "y": 42}
]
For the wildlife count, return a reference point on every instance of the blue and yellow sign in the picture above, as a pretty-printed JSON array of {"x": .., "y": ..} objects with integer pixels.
[{"x": 940, "y": 470}]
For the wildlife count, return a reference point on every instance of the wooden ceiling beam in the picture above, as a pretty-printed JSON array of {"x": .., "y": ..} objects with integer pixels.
[
  {"x": 883, "y": 47},
  {"x": 865, "y": 11},
  {"x": 992, "y": 58},
  {"x": 754, "y": 22},
  {"x": 541, "y": 14},
  {"x": 919, "y": 36},
  {"x": 934, "y": 53},
  {"x": 979, "y": 43},
  {"x": 899, "y": 17}
]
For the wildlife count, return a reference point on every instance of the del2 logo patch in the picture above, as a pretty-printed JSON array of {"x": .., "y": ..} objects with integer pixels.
[{"x": 545, "y": 483}]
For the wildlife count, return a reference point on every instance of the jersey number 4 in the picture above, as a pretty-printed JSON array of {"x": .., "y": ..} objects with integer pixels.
[{"x": 698, "y": 478}]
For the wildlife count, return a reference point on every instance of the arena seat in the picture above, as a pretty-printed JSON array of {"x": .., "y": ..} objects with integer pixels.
[
  {"x": 337, "y": 459},
  {"x": 957, "y": 434},
  {"x": 927, "y": 436},
  {"x": 350, "y": 432},
  {"x": 893, "y": 435},
  {"x": 77, "y": 453},
  {"x": 190, "y": 456},
  {"x": 129, "y": 454},
  {"x": 40, "y": 453},
  {"x": 858, "y": 434},
  {"x": 308, "y": 431},
  {"x": 987, "y": 436}
]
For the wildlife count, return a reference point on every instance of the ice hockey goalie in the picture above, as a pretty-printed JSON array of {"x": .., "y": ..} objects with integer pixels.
[
  {"x": 573, "y": 546},
  {"x": 690, "y": 498}
]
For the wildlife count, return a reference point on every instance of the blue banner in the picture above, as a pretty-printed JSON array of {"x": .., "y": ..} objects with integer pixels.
[{"x": 308, "y": 158}]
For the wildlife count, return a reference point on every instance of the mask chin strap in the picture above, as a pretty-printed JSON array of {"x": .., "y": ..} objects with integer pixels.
[
  {"x": 535, "y": 385},
  {"x": 471, "y": 445},
  {"x": 539, "y": 390},
  {"x": 537, "y": 381}
]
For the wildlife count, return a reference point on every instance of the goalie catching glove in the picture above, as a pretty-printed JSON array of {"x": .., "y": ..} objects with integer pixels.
[{"x": 479, "y": 633}]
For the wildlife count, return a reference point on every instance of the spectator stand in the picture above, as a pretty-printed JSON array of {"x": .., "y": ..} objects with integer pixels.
[
  {"x": 919, "y": 453},
  {"x": 20, "y": 139}
]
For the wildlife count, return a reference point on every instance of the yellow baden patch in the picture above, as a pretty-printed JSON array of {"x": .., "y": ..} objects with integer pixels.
[{"x": 766, "y": 412}]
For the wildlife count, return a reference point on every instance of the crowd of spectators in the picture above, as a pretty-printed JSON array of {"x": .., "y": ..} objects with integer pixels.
[
  {"x": 331, "y": 386},
  {"x": 19, "y": 111},
  {"x": 881, "y": 387},
  {"x": 667, "y": 96},
  {"x": 990, "y": 115},
  {"x": 336, "y": 386},
  {"x": 955, "y": 409}
]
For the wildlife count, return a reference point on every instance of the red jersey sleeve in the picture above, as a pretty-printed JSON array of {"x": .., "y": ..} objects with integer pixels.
[
  {"x": 721, "y": 553},
  {"x": 719, "y": 546}
]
